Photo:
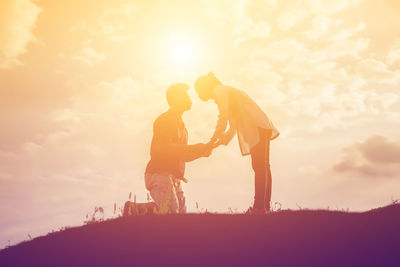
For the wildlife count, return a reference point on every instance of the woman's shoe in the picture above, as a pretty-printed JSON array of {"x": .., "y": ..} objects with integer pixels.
[{"x": 256, "y": 211}]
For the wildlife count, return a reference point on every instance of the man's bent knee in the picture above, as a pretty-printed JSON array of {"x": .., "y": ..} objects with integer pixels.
[{"x": 162, "y": 191}]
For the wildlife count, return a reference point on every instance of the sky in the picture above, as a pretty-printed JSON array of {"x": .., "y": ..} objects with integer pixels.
[{"x": 81, "y": 83}]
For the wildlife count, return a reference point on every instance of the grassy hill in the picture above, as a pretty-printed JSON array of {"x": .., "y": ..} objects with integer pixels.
[{"x": 296, "y": 238}]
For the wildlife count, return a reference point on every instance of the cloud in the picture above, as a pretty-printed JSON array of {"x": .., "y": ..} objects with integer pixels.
[
  {"x": 262, "y": 82},
  {"x": 330, "y": 6},
  {"x": 393, "y": 56},
  {"x": 113, "y": 23},
  {"x": 347, "y": 48},
  {"x": 377, "y": 71},
  {"x": 333, "y": 71},
  {"x": 235, "y": 19},
  {"x": 89, "y": 57},
  {"x": 320, "y": 26},
  {"x": 260, "y": 30},
  {"x": 94, "y": 150},
  {"x": 392, "y": 59},
  {"x": 17, "y": 20},
  {"x": 281, "y": 51},
  {"x": 272, "y": 3},
  {"x": 381, "y": 150},
  {"x": 329, "y": 74},
  {"x": 346, "y": 33},
  {"x": 289, "y": 19},
  {"x": 376, "y": 156},
  {"x": 31, "y": 148}
]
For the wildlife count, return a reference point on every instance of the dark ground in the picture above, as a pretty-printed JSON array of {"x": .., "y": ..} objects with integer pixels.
[{"x": 285, "y": 238}]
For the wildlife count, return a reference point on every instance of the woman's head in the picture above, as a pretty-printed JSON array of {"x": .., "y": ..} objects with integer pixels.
[{"x": 205, "y": 84}]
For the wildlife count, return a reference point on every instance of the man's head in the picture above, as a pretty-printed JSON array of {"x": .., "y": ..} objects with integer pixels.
[{"x": 178, "y": 98}]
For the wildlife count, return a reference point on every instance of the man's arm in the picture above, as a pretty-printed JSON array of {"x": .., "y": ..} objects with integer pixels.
[
  {"x": 193, "y": 152},
  {"x": 164, "y": 135}
]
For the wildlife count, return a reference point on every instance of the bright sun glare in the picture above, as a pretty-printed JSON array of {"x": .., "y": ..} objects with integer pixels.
[
  {"x": 183, "y": 49},
  {"x": 182, "y": 52}
]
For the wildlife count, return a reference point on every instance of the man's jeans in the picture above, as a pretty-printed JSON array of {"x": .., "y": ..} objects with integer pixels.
[{"x": 166, "y": 192}]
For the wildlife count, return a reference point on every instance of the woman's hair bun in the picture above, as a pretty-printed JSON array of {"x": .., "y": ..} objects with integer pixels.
[{"x": 211, "y": 74}]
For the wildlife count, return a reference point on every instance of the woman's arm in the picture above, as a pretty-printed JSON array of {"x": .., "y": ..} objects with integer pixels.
[
  {"x": 228, "y": 136},
  {"x": 221, "y": 99}
]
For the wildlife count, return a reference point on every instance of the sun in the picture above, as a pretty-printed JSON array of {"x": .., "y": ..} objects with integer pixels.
[
  {"x": 183, "y": 49},
  {"x": 182, "y": 52}
]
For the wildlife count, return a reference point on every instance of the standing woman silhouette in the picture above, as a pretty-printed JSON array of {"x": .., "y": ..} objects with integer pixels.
[{"x": 252, "y": 126}]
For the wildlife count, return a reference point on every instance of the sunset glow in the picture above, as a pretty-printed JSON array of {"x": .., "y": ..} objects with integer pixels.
[
  {"x": 81, "y": 83},
  {"x": 182, "y": 50}
]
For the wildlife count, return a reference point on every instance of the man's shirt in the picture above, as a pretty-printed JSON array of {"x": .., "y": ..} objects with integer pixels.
[{"x": 168, "y": 128}]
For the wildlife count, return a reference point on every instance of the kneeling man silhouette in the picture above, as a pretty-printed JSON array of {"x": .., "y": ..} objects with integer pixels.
[{"x": 170, "y": 152}]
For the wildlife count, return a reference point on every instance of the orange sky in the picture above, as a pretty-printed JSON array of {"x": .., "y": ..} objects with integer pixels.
[{"x": 82, "y": 81}]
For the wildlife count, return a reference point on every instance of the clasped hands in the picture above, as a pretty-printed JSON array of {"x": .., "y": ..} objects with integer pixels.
[{"x": 207, "y": 148}]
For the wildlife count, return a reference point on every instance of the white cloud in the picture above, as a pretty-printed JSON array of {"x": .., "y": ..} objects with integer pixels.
[
  {"x": 289, "y": 19},
  {"x": 262, "y": 82},
  {"x": 89, "y": 56},
  {"x": 272, "y": 3},
  {"x": 281, "y": 51},
  {"x": 393, "y": 55},
  {"x": 327, "y": 76},
  {"x": 260, "y": 29},
  {"x": 94, "y": 150},
  {"x": 377, "y": 71},
  {"x": 17, "y": 20},
  {"x": 349, "y": 47},
  {"x": 58, "y": 136},
  {"x": 233, "y": 17},
  {"x": 347, "y": 32},
  {"x": 114, "y": 22},
  {"x": 377, "y": 156},
  {"x": 320, "y": 25},
  {"x": 31, "y": 148},
  {"x": 66, "y": 115},
  {"x": 330, "y": 6}
]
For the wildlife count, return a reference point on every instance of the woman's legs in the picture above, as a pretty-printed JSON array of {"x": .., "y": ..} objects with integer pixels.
[
  {"x": 268, "y": 189},
  {"x": 261, "y": 166}
]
